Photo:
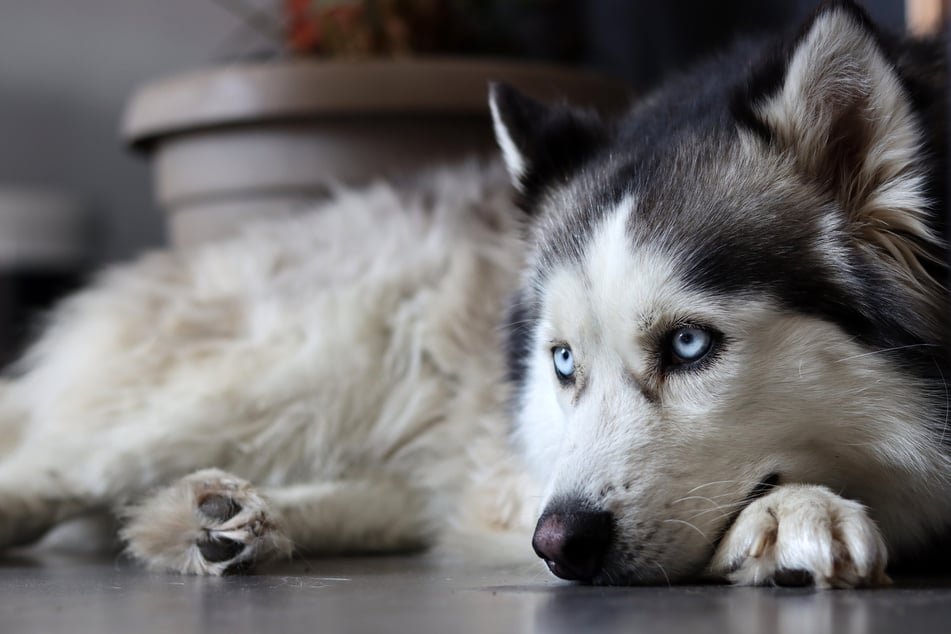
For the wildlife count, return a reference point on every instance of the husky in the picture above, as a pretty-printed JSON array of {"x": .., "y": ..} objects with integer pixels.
[{"x": 703, "y": 340}]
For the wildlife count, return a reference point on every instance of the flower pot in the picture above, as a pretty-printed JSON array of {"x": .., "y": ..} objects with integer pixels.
[{"x": 255, "y": 140}]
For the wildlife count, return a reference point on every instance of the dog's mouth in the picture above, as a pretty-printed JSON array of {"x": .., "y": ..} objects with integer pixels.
[
  {"x": 619, "y": 577},
  {"x": 592, "y": 552},
  {"x": 762, "y": 487}
]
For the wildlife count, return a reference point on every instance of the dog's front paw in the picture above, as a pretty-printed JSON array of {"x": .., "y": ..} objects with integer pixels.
[
  {"x": 209, "y": 523},
  {"x": 797, "y": 535}
]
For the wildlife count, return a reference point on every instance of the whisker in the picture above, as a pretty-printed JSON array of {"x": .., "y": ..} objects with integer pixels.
[
  {"x": 729, "y": 508},
  {"x": 694, "y": 497},
  {"x": 715, "y": 520},
  {"x": 710, "y": 484},
  {"x": 664, "y": 572},
  {"x": 710, "y": 499},
  {"x": 702, "y": 534}
]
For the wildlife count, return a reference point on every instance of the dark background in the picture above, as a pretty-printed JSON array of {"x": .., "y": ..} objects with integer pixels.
[
  {"x": 642, "y": 41},
  {"x": 67, "y": 69}
]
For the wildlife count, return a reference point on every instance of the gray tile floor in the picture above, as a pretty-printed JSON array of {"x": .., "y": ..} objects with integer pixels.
[{"x": 56, "y": 594}]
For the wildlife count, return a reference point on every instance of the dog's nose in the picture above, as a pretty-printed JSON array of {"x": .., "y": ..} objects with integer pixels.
[{"x": 574, "y": 543}]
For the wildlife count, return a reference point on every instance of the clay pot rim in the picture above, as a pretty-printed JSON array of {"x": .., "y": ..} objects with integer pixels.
[{"x": 297, "y": 88}]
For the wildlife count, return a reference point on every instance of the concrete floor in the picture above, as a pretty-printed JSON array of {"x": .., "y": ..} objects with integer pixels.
[{"x": 56, "y": 594}]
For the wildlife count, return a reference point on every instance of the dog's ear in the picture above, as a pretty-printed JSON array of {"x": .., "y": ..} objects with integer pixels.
[
  {"x": 541, "y": 143},
  {"x": 834, "y": 101}
]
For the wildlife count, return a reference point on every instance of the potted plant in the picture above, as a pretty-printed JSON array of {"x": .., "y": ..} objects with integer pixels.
[{"x": 367, "y": 88}]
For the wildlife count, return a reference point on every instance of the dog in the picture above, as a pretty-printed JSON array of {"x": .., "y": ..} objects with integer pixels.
[{"x": 704, "y": 340}]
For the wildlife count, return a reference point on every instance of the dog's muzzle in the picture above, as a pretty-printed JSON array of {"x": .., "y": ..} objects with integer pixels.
[{"x": 573, "y": 543}]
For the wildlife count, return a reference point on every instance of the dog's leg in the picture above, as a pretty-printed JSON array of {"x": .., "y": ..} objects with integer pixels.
[
  {"x": 32, "y": 502},
  {"x": 50, "y": 478},
  {"x": 803, "y": 534},
  {"x": 212, "y": 523},
  {"x": 32, "y": 497}
]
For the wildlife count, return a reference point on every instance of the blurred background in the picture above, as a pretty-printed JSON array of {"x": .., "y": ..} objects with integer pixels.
[
  {"x": 68, "y": 68},
  {"x": 74, "y": 197}
]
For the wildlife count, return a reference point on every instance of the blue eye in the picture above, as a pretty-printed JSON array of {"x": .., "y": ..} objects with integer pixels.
[
  {"x": 690, "y": 344},
  {"x": 564, "y": 362}
]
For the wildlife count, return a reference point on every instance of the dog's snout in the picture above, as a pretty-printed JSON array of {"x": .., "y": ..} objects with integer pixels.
[{"x": 573, "y": 543}]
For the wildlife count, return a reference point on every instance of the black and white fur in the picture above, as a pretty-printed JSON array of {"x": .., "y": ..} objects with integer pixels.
[{"x": 340, "y": 382}]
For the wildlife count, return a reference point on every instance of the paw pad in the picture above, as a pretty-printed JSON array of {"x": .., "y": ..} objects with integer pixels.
[
  {"x": 209, "y": 523},
  {"x": 218, "y": 507},
  {"x": 216, "y": 549}
]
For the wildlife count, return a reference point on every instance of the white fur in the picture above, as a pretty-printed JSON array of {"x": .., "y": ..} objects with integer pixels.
[
  {"x": 789, "y": 394},
  {"x": 803, "y": 528},
  {"x": 335, "y": 382},
  {"x": 514, "y": 159},
  {"x": 838, "y": 68},
  {"x": 168, "y": 529},
  {"x": 342, "y": 373},
  {"x": 354, "y": 351}
]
